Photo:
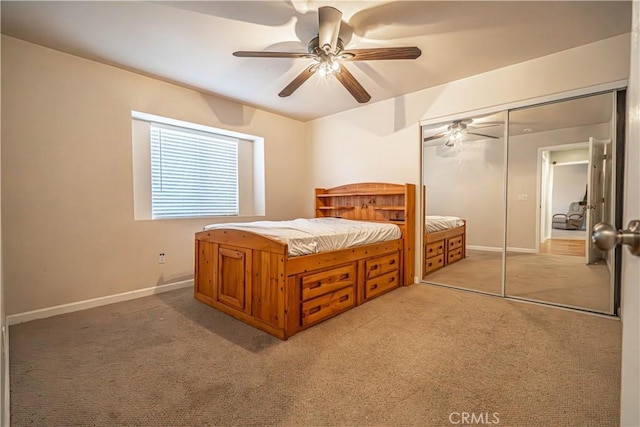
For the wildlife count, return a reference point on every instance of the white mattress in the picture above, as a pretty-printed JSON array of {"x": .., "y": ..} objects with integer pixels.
[
  {"x": 439, "y": 223},
  {"x": 310, "y": 236}
]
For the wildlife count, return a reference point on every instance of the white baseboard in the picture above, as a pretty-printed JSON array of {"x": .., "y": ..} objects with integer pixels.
[
  {"x": 42, "y": 313},
  {"x": 484, "y": 248},
  {"x": 523, "y": 250}
]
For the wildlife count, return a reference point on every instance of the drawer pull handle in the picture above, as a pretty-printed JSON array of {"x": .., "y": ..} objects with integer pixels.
[
  {"x": 374, "y": 267},
  {"x": 373, "y": 287},
  {"x": 315, "y": 309},
  {"x": 392, "y": 279},
  {"x": 393, "y": 261},
  {"x": 345, "y": 276},
  {"x": 315, "y": 285},
  {"x": 343, "y": 298}
]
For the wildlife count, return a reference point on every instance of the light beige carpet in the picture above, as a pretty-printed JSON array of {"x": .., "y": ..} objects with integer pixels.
[
  {"x": 559, "y": 279},
  {"x": 479, "y": 271},
  {"x": 409, "y": 358}
]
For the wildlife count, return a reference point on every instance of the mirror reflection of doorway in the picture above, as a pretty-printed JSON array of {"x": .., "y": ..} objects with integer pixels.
[{"x": 564, "y": 174}]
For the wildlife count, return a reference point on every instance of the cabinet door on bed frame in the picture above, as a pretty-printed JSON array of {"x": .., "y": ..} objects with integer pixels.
[{"x": 233, "y": 277}]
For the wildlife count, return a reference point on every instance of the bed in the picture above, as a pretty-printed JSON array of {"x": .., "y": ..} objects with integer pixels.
[
  {"x": 444, "y": 241},
  {"x": 266, "y": 280}
]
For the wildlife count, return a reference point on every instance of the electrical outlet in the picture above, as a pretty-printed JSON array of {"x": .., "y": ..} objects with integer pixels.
[{"x": 161, "y": 258}]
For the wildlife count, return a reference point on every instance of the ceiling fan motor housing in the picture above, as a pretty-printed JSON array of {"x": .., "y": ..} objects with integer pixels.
[{"x": 314, "y": 47}]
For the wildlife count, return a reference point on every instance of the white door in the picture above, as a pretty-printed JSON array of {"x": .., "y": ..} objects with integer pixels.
[
  {"x": 594, "y": 208},
  {"x": 630, "y": 303},
  {"x": 545, "y": 199}
]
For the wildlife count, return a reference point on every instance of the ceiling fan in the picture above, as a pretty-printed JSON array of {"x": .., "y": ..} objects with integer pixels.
[
  {"x": 327, "y": 52},
  {"x": 456, "y": 131}
]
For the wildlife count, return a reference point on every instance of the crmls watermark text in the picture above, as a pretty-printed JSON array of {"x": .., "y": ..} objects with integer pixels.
[{"x": 473, "y": 418}]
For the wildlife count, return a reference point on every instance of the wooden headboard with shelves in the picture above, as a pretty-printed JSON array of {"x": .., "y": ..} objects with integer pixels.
[{"x": 374, "y": 201}]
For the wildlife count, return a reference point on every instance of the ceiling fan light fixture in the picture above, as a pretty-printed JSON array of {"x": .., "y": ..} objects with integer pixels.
[
  {"x": 456, "y": 134},
  {"x": 328, "y": 66}
]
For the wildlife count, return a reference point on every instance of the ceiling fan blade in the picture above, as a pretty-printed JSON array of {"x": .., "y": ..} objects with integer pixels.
[
  {"x": 252, "y": 54},
  {"x": 297, "y": 82},
  {"x": 482, "y": 134},
  {"x": 329, "y": 19},
  {"x": 352, "y": 85},
  {"x": 383, "y": 53},
  {"x": 436, "y": 136}
]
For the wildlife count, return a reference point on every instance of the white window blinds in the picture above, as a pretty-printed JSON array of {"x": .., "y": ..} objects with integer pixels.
[{"x": 193, "y": 173}]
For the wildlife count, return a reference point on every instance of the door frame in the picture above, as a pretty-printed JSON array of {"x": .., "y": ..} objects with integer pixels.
[{"x": 539, "y": 201}]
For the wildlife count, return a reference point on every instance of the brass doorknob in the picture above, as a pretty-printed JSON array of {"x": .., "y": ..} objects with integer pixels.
[{"x": 605, "y": 236}]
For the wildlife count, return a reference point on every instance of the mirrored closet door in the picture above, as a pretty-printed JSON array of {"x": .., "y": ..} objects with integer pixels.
[
  {"x": 510, "y": 200},
  {"x": 463, "y": 176},
  {"x": 560, "y": 184}
]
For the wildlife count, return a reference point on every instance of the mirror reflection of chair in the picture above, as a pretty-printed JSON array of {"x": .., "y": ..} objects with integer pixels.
[{"x": 572, "y": 220}]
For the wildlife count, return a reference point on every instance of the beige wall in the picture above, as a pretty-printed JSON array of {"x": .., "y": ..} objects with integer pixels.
[
  {"x": 381, "y": 141},
  {"x": 67, "y": 186}
]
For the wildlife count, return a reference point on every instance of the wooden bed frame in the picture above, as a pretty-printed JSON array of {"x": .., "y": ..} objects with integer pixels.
[
  {"x": 445, "y": 247},
  {"x": 252, "y": 278}
]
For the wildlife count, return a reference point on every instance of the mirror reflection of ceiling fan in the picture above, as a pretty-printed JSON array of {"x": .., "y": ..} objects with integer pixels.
[
  {"x": 457, "y": 130},
  {"x": 328, "y": 54}
]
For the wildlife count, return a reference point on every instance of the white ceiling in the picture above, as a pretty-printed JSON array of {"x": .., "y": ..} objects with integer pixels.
[{"x": 191, "y": 43}]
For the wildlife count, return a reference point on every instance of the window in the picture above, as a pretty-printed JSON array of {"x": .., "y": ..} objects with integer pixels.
[
  {"x": 193, "y": 173},
  {"x": 187, "y": 170}
]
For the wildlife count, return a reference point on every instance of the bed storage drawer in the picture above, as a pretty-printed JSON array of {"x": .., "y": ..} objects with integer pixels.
[
  {"x": 380, "y": 284},
  {"x": 434, "y": 263},
  {"x": 454, "y": 255},
  {"x": 434, "y": 249},
  {"x": 381, "y": 265},
  {"x": 314, "y": 285},
  {"x": 454, "y": 242},
  {"x": 325, "y": 306}
]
